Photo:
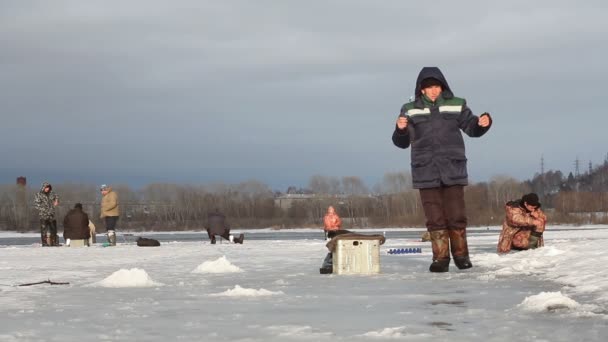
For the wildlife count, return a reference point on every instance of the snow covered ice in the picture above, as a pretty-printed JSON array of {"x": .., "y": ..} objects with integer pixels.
[{"x": 270, "y": 290}]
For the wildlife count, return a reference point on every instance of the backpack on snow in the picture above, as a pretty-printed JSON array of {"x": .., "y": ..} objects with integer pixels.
[{"x": 144, "y": 242}]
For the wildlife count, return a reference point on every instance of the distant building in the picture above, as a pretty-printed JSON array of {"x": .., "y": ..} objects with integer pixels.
[{"x": 286, "y": 201}]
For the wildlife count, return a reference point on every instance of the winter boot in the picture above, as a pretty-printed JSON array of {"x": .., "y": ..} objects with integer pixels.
[
  {"x": 213, "y": 240},
  {"x": 240, "y": 239},
  {"x": 112, "y": 237},
  {"x": 45, "y": 242},
  {"x": 459, "y": 247},
  {"x": 48, "y": 241},
  {"x": 440, "y": 242},
  {"x": 54, "y": 240}
]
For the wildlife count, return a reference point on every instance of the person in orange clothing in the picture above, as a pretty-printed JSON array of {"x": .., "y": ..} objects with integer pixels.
[
  {"x": 332, "y": 226},
  {"x": 331, "y": 222}
]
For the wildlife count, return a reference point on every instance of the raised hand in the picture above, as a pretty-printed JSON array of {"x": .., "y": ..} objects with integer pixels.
[
  {"x": 484, "y": 120},
  {"x": 402, "y": 122}
]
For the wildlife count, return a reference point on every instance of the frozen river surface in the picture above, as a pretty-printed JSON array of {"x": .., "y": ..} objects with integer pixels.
[{"x": 269, "y": 289}]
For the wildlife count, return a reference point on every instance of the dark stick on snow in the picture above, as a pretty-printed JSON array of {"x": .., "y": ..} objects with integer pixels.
[{"x": 44, "y": 282}]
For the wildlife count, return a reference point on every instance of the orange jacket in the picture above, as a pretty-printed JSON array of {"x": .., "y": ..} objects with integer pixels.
[{"x": 331, "y": 220}]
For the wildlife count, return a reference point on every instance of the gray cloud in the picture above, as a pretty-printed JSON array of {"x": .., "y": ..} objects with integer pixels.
[{"x": 281, "y": 90}]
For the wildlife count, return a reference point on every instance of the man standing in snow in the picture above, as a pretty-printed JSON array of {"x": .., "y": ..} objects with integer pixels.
[
  {"x": 45, "y": 202},
  {"x": 432, "y": 125},
  {"x": 523, "y": 226},
  {"x": 217, "y": 226},
  {"x": 109, "y": 212}
]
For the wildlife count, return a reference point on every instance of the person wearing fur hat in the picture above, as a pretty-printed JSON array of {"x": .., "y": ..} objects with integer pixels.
[
  {"x": 109, "y": 212},
  {"x": 431, "y": 124},
  {"x": 45, "y": 202},
  {"x": 523, "y": 226}
]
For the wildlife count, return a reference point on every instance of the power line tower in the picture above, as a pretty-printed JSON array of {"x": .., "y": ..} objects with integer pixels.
[{"x": 542, "y": 164}]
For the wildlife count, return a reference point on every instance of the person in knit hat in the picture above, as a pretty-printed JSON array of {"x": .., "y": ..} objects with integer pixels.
[
  {"x": 523, "y": 226},
  {"x": 432, "y": 124},
  {"x": 109, "y": 212}
]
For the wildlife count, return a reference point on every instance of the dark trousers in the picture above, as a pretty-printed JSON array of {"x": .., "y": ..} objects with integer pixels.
[
  {"x": 111, "y": 222},
  {"x": 48, "y": 227},
  {"x": 444, "y": 207},
  {"x": 225, "y": 235}
]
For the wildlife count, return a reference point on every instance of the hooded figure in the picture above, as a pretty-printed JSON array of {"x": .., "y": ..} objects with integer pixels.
[
  {"x": 432, "y": 124},
  {"x": 45, "y": 202},
  {"x": 434, "y": 133}
]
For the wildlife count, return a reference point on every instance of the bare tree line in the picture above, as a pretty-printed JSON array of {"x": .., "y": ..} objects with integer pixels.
[{"x": 252, "y": 204}]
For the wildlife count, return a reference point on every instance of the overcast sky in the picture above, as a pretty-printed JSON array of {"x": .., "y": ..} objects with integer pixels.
[{"x": 208, "y": 91}]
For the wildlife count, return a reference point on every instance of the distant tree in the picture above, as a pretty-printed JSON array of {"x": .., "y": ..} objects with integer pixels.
[
  {"x": 353, "y": 186},
  {"x": 319, "y": 184},
  {"x": 395, "y": 182}
]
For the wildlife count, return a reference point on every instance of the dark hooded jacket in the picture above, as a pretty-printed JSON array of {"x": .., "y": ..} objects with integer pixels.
[
  {"x": 76, "y": 225},
  {"x": 433, "y": 131},
  {"x": 44, "y": 202},
  {"x": 216, "y": 224}
]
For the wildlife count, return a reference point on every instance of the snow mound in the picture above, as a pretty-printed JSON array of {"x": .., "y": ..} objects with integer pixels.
[
  {"x": 134, "y": 277},
  {"x": 220, "y": 265},
  {"x": 392, "y": 333},
  {"x": 548, "y": 301},
  {"x": 244, "y": 292},
  {"x": 297, "y": 331},
  {"x": 531, "y": 262}
]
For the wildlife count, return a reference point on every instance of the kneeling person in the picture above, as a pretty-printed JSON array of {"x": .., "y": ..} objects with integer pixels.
[
  {"x": 76, "y": 227},
  {"x": 523, "y": 226}
]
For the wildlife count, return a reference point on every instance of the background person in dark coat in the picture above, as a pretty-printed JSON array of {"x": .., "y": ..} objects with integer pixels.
[
  {"x": 217, "y": 226},
  {"x": 432, "y": 125},
  {"x": 76, "y": 227}
]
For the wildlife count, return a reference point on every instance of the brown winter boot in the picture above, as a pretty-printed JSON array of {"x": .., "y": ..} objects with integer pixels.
[
  {"x": 45, "y": 242},
  {"x": 440, "y": 242},
  {"x": 460, "y": 248}
]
